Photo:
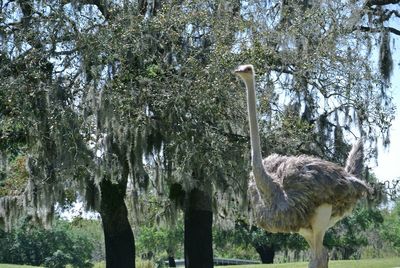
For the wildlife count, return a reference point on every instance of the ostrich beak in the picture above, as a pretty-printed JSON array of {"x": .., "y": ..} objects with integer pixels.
[
  {"x": 237, "y": 70},
  {"x": 246, "y": 68}
]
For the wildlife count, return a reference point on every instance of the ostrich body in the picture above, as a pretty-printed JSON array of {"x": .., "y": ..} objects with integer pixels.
[{"x": 299, "y": 194}]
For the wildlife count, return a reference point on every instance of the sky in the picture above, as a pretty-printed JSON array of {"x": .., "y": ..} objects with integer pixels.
[{"x": 389, "y": 159}]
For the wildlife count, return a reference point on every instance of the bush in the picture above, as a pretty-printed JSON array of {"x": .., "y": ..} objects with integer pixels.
[
  {"x": 144, "y": 264},
  {"x": 139, "y": 264},
  {"x": 59, "y": 259},
  {"x": 34, "y": 245}
]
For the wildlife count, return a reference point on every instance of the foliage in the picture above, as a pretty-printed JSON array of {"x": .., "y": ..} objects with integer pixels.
[
  {"x": 59, "y": 259},
  {"x": 351, "y": 234},
  {"x": 93, "y": 232},
  {"x": 15, "y": 179},
  {"x": 254, "y": 240},
  {"x": 15, "y": 266},
  {"x": 139, "y": 264},
  {"x": 160, "y": 241},
  {"x": 391, "y": 226},
  {"x": 145, "y": 264},
  {"x": 350, "y": 238},
  {"x": 30, "y": 244},
  {"x": 227, "y": 244}
]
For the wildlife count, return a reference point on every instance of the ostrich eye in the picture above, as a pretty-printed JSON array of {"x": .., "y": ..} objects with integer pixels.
[{"x": 247, "y": 69}]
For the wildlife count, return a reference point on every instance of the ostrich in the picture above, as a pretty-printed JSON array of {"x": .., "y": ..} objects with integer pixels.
[{"x": 299, "y": 194}]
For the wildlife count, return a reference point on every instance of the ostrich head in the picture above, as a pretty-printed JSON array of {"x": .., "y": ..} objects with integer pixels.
[{"x": 245, "y": 72}]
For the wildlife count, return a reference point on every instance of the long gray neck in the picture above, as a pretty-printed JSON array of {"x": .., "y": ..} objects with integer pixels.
[
  {"x": 261, "y": 177},
  {"x": 256, "y": 158}
]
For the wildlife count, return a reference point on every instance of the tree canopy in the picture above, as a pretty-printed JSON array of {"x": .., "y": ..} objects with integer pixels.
[{"x": 105, "y": 96}]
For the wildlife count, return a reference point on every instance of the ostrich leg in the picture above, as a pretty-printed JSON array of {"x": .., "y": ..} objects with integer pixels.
[
  {"x": 317, "y": 252},
  {"x": 315, "y": 236},
  {"x": 320, "y": 255},
  {"x": 320, "y": 224}
]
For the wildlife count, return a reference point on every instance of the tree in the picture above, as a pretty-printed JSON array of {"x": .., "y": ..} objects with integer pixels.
[
  {"x": 80, "y": 83},
  {"x": 97, "y": 85}
]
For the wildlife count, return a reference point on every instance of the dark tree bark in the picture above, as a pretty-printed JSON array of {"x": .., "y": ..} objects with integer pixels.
[
  {"x": 198, "y": 230},
  {"x": 171, "y": 258},
  {"x": 171, "y": 261},
  {"x": 267, "y": 253},
  {"x": 118, "y": 235}
]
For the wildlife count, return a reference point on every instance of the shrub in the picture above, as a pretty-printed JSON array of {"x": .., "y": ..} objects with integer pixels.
[{"x": 34, "y": 245}]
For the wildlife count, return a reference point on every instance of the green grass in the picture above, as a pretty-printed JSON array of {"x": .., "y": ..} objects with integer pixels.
[
  {"x": 15, "y": 266},
  {"x": 372, "y": 263}
]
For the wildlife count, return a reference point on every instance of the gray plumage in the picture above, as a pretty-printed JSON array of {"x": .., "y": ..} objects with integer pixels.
[
  {"x": 300, "y": 184},
  {"x": 300, "y": 194}
]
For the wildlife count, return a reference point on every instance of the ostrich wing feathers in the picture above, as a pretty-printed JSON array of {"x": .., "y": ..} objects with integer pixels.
[{"x": 306, "y": 183}]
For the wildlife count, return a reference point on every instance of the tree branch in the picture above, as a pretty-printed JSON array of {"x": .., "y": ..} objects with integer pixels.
[
  {"x": 384, "y": 15},
  {"x": 378, "y": 30},
  {"x": 395, "y": 12},
  {"x": 381, "y": 2}
]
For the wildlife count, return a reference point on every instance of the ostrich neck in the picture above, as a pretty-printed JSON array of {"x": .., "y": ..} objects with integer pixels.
[
  {"x": 256, "y": 158},
  {"x": 263, "y": 181}
]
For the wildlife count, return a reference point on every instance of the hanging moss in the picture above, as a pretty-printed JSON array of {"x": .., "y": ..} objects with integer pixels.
[
  {"x": 142, "y": 178},
  {"x": 340, "y": 146},
  {"x": 385, "y": 56},
  {"x": 35, "y": 204}
]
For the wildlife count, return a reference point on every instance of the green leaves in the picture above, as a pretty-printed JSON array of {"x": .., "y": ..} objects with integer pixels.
[
  {"x": 391, "y": 226},
  {"x": 28, "y": 244},
  {"x": 160, "y": 240},
  {"x": 15, "y": 178}
]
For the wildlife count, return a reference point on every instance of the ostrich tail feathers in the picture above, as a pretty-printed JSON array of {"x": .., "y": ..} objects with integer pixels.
[{"x": 354, "y": 163}]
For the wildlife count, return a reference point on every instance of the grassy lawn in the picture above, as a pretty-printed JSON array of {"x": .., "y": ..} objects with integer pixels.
[
  {"x": 15, "y": 266},
  {"x": 372, "y": 263}
]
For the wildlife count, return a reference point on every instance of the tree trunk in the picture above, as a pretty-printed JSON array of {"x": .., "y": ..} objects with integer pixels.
[
  {"x": 267, "y": 253},
  {"x": 198, "y": 230},
  {"x": 347, "y": 252},
  {"x": 118, "y": 235},
  {"x": 171, "y": 261},
  {"x": 171, "y": 258},
  {"x": 296, "y": 256}
]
